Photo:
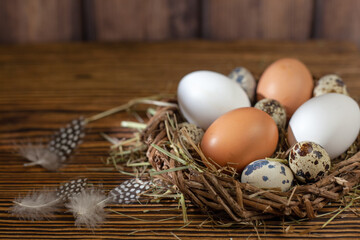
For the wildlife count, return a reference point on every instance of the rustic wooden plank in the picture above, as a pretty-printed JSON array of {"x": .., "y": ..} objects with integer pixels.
[
  {"x": 42, "y": 87},
  {"x": 260, "y": 19},
  {"x": 338, "y": 20},
  {"x": 40, "y": 20},
  {"x": 113, "y": 20}
]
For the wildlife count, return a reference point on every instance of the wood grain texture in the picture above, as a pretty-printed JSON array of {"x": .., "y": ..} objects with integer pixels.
[
  {"x": 40, "y": 20},
  {"x": 338, "y": 20},
  {"x": 42, "y": 87},
  {"x": 142, "y": 20},
  {"x": 257, "y": 19}
]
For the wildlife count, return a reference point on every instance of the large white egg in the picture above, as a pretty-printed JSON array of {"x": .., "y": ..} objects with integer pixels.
[
  {"x": 204, "y": 96},
  {"x": 331, "y": 120}
]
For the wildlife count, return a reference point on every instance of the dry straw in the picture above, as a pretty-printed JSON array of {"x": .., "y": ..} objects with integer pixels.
[{"x": 217, "y": 191}]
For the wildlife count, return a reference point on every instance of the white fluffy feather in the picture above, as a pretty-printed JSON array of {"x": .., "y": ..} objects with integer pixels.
[
  {"x": 36, "y": 205},
  {"x": 88, "y": 207},
  {"x": 40, "y": 155}
]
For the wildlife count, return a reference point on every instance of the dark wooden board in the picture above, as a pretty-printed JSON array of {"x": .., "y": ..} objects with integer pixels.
[
  {"x": 42, "y": 87},
  {"x": 337, "y": 20},
  {"x": 40, "y": 21},
  {"x": 142, "y": 20},
  {"x": 244, "y": 19}
]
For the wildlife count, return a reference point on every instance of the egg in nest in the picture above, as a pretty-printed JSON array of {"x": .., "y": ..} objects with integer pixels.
[
  {"x": 268, "y": 174},
  {"x": 288, "y": 81},
  {"x": 245, "y": 79},
  {"x": 240, "y": 137},
  {"x": 204, "y": 96},
  {"x": 276, "y": 111},
  {"x": 330, "y": 83},
  {"x": 193, "y": 132},
  {"x": 309, "y": 161}
]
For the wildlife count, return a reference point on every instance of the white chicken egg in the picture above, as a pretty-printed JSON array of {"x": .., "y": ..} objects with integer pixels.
[
  {"x": 268, "y": 174},
  {"x": 245, "y": 79},
  {"x": 204, "y": 96},
  {"x": 331, "y": 120}
]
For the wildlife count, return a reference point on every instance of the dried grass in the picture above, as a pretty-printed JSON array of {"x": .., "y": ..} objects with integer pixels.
[{"x": 159, "y": 153}]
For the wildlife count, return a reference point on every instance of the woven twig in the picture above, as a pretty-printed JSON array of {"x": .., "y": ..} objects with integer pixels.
[{"x": 218, "y": 193}]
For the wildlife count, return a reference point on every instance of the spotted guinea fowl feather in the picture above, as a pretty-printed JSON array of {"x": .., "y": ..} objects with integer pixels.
[
  {"x": 37, "y": 205},
  {"x": 58, "y": 150},
  {"x": 71, "y": 188},
  {"x": 129, "y": 191},
  {"x": 65, "y": 140}
]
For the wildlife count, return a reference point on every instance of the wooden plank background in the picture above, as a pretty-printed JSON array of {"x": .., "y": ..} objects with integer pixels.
[
  {"x": 144, "y": 20},
  {"x": 40, "y": 20},
  {"x": 44, "y": 86}
]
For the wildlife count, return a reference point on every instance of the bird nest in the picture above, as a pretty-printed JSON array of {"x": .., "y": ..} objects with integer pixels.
[{"x": 218, "y": 192}]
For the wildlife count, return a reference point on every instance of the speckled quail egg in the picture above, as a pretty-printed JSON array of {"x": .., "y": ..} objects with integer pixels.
[
  {"x": 309, "y": 161},
  {"x": 195, "y": 133},
  {"x": 268, "y": 174},
  {"x": 246, "y": 80},
  {"x": 274, "y": 109},
  {"x": 330, "y": 83}
]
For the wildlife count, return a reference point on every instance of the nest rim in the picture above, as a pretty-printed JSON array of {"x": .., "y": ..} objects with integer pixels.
[{"x": 215, "y": 191}]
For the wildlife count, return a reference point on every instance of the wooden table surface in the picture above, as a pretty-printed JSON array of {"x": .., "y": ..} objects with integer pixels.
[{"x": 42, "y": 87}]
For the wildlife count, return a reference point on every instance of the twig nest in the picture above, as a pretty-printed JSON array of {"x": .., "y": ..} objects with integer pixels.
[
  {"x": 194, "y": 132},
  {"x": 330, "y": 83},
  {"x": 309, "y": 161},
  {"x": 245, "y": 79},
  {"x": 274, "y": 109},
  {"x": 224, "y": 197}
]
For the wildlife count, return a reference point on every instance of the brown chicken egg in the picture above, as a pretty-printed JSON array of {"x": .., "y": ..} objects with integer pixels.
[
  {"x": 288, "y": 81},
  {"x": 240, "y": 137}
]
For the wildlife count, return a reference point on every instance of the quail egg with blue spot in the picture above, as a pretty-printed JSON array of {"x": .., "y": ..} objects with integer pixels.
[
  {"x": 268, "y": 174},
  {"x": 330, "y": 83},
  {"x": 245, "y": 79}
]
